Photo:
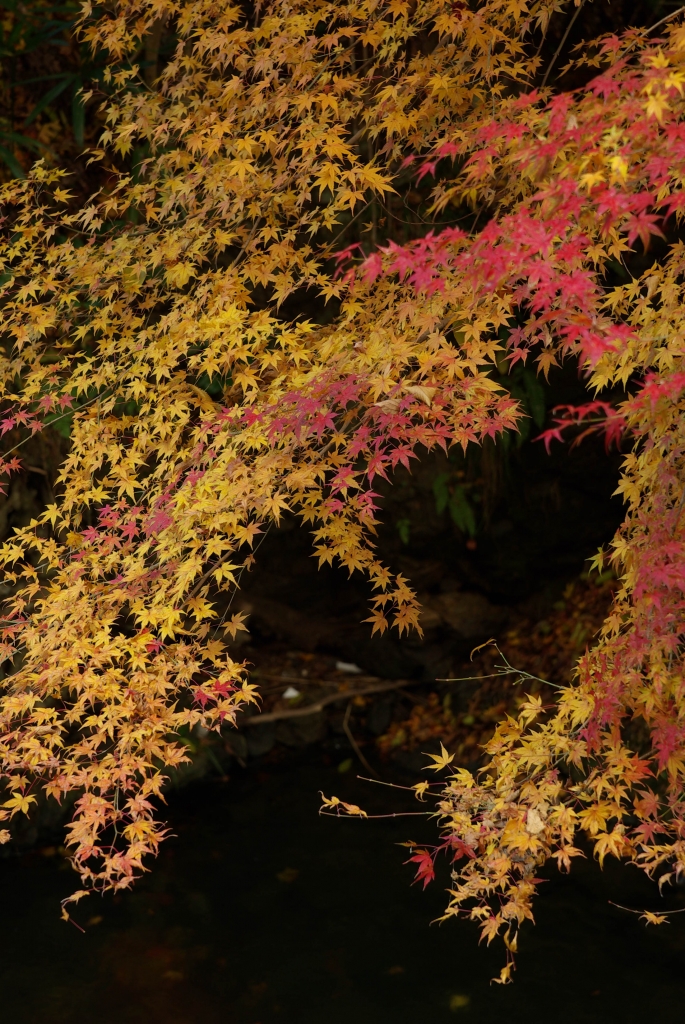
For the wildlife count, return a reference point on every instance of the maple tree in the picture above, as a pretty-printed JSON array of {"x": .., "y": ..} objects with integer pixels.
[
  {"x": 151, "y": 317},
  {"x": 602, "y": 170}
]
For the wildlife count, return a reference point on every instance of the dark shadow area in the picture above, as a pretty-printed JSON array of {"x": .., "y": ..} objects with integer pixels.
[
  {"x": 261, "y": 912},
  {"x": 481, "y": 537}
]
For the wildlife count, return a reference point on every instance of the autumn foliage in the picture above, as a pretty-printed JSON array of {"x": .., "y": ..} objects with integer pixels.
[{"x": 156, "y": 319}]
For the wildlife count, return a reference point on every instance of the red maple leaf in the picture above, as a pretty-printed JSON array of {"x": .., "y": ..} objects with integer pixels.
[{"x": 425, "y": 872}]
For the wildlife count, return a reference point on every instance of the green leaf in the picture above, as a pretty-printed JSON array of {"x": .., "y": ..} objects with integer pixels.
[
  {"x": 61, "y": 422},
  {"x": 13, "y": 164},
  {"x": 462, "y": 512},
  {"x": 535, "y": 393},
  {"x": 78, "y": 118},
  {"x": 404, "y": 529},
  {"x": 50, "y": 96},
  {"x": 523, "y": 431},
  {"x": 441, "y": 492},
  {"x": 24, "y": 140}
]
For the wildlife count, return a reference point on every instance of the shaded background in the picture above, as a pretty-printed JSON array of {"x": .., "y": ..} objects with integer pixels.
[{"x": 260, "y": 912}]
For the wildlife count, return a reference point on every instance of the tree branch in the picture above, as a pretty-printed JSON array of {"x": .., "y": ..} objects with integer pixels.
[
  {"x": 319, "y": 705},
  {"x": 561, "y": 44}
]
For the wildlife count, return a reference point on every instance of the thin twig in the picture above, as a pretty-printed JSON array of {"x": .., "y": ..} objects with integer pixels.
[
  {"x": 438, "y": 328},
  {"x": 653, "y": 28},
  {"x": 353, "y": 742},
  {"x": 474, "y": 679},
  {"x": 368, "y": 817},
  {"x": 657, "y": 913},
  {"x": 69, "y": 412},
  {"x": 561, "y": 44},
  {"x": 239, "y": 576},
  {"x": 206, "y": 576},
  {"x": 503, "y": 672},
  {"x": 658, "y": 24},
  {"x": 679, "y": 513},
  {"x": 395, "y": 785}
]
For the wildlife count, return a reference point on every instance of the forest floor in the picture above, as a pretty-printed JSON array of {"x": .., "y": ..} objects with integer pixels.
[{"x": 366, "y": 721}]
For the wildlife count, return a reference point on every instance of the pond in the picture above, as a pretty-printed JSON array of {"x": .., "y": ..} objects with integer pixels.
[{"x": 259, "y": 911}]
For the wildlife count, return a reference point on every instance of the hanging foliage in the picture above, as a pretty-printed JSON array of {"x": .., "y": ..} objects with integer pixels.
[
  {"x": 578, "y": 181},
  {"x": 156, "y": 321}
]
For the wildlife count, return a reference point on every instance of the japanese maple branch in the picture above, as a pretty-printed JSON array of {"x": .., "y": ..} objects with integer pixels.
[
  {"x": 207, "y": 575},
  {"x": 353, "y": 742},
  {"x": 503, "y": 670},
  {"x": 311, "y": 709},
  {"x": 669, "y": 17},
  {"x": 561, "y": 44},
  {"x": 368, "y": 817}
]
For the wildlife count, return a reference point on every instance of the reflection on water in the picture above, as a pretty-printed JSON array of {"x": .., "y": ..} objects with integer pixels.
[{"x": 260, "y": 912}]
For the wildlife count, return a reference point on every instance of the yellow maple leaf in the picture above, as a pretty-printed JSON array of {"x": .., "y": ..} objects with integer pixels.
[
  {"x": 651, "y": 918},
  {"x": 19, "y": 803},
  {"x": 441, "y": 760}
]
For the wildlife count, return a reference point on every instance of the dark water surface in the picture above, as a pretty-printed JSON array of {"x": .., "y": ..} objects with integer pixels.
[{"x": 261, "y": 912}]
